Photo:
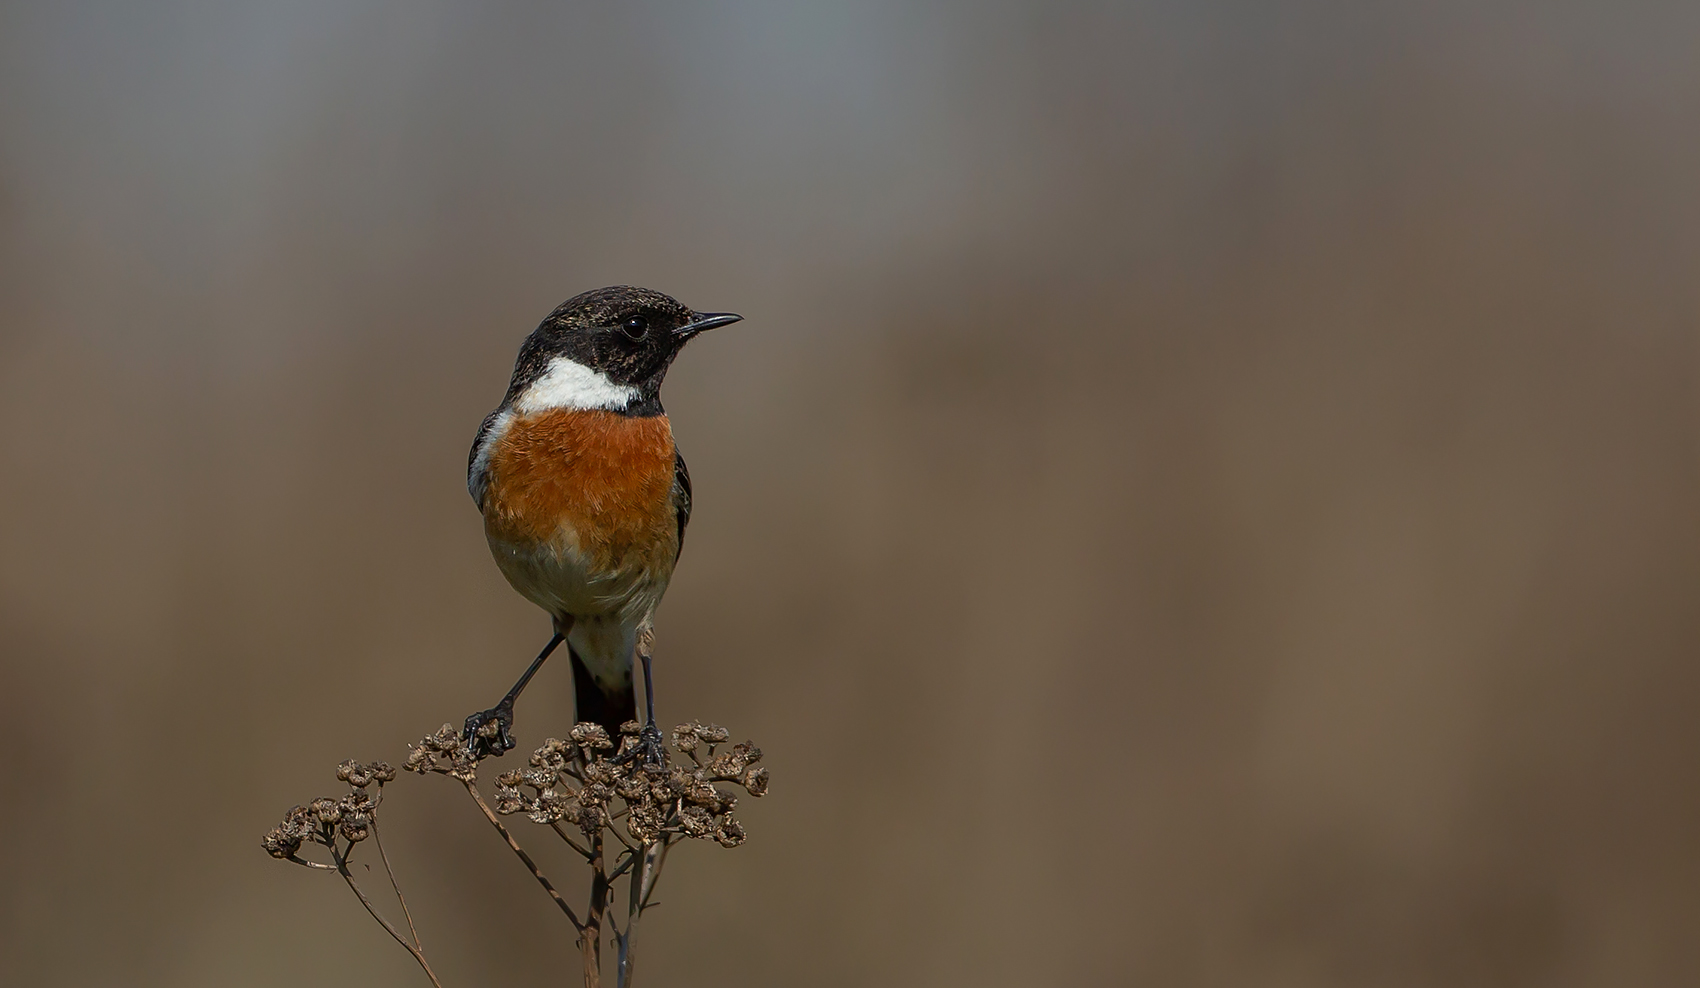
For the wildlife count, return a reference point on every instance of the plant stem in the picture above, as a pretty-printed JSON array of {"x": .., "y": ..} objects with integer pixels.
[
  {"x": 642, "y": 883},
  {"x": 536, "y": 873},
  {"x": 303, "y": 862},
  {"x": 590, "y": 938},
  {"x": 584, "y": 852},
  {"x": 342, "y": 869},
  {"x": 393, "y": 884}
]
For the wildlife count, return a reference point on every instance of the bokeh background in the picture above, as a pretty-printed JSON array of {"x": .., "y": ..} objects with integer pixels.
[{"x": 1205, "y": 493}]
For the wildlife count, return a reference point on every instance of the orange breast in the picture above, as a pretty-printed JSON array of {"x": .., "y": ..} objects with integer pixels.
[{"x": 601, "y": 480}]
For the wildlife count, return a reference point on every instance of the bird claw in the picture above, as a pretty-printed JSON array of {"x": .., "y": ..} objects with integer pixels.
[
  {"x": 489, "y": 732},
  {"x": 649, "y": 744}
]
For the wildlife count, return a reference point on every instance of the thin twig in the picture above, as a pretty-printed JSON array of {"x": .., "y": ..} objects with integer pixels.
[
  {"x": 342, "y": 869},
  {"x": 616, "y": 832},
  {"x": 378, "y": 840},
  {"x": 642, "y": 886},
  {"x": 623, "y": 941},
  {"x": 536, "y": 873},
  {"x": 625, "y": 866},
  {"x": 590, "y": 938},
  {"x": 655, "y": 875},
  {"x": 303, "y": 862},
  {"x": 568, "y": 838}
]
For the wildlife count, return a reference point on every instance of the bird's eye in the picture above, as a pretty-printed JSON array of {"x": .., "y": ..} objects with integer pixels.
[{"x": 635, "y": 327}]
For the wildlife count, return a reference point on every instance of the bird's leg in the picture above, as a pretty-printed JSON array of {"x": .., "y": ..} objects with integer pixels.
[
  {"x": 480, "y": 737},
  {"x": 649, "y": 739},
  {"x": 651, "y": 736}
]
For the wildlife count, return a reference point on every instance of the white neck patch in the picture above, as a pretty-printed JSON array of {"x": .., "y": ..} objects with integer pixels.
[{"x": 570, "y": 384}]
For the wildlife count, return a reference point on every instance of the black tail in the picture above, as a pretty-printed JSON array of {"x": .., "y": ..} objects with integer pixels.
[{"x": 594, "y": 703}]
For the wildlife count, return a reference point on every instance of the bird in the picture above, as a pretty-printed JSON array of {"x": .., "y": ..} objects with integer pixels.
[{"x": 586, "y": 497}]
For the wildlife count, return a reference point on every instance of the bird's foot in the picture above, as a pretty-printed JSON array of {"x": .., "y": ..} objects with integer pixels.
[
  {"x": 649, "y": 744},
  {"x": 488, "y": 732}
]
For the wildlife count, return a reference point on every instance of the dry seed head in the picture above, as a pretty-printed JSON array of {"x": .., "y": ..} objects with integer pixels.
[
  {"x": 302, "y": 822},
  {"x": 285, "y": 839},
  {"x": 552, "y": 806},
  {"x": 730, "y": 766},
  {"x": 508, "y": 799},
  {"x": 729, "y": 832},
  {"x": 592, "y": 736},
  {"x": 280, "y": 844},
  {"x": 553, "y": 755},
  {"x": 437, "y": 752},
  {"x": 701, "y": 793},
  {"x": 657, "y": 802},
  {"x": 445, "y": 754},
  {"x": 644, "y": 823},
  {"x": 325, "y": 810},
  {"x": 362, "y": 774},
  {"x": 358, "y": 808},
  {"x": 696, "y": 821},
  {"x": 322, "y": 819}
]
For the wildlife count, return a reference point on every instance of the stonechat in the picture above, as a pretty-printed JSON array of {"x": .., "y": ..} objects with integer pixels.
[{"x": 585, "y": 496}]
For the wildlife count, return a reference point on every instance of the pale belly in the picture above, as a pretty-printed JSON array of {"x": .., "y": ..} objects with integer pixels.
[
  {"x": 609, "y": 609},
  {"x": 559, "y": 578}
]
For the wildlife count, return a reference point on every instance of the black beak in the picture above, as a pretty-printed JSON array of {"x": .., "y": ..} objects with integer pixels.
[{"x": 704, "y": 322}]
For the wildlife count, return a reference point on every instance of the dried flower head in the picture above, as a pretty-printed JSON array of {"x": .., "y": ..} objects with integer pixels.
[
  {"x": 325, "y": 810},
  {"x": 443, "y": 753},
  {"x": 629, "y": 809},
  {"x": 362, "y": 774},
  {"x": 583, "y": 782},
  {"x": 323, "y": 820},
  {"x": 555, "y": 754},
  {"x": 508, "y": 799},
  {"x": 729, "y": 832},
  {"x": 299, "y": 825},
  {"x": 591, "y": 736},
  {"x": 358, "y": 809},
  {"x": 552, "y": 805},
  {"x": 696, "y": 821}
]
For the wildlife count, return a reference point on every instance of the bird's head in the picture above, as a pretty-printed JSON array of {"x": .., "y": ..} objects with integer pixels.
[{"x": 608, "y": 348}]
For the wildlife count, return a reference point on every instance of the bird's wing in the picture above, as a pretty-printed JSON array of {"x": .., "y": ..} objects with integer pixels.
[
  {"x": 478, "y": 460},
  {"x": 681, "y": 498}
]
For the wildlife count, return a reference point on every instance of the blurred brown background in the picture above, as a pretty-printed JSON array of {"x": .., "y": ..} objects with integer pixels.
[{"x": 1205, "y": 493}]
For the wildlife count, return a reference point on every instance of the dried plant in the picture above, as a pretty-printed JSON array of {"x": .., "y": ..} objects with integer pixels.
[{"x": 620, "y": 813}]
